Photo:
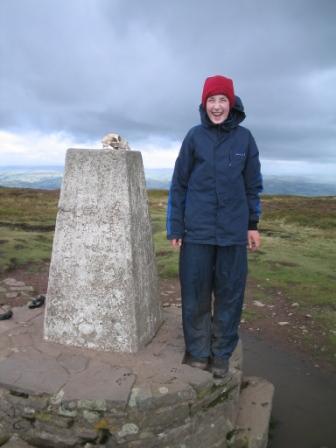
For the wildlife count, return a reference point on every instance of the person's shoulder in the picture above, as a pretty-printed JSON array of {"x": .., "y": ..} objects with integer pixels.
[
  {"x": 243, "y": 130},
  {"x": 195, "y": 129},
  {"x": 193, "y": 132}
]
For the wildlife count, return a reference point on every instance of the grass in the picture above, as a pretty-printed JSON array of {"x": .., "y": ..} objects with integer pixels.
[
  {"x": 316, "y": 212},
  {"x": 298, "y": 254},
  {"x": 18, "y": 247},
  {"x": 28, "y": 208},
  {"x": 298, "y": 259},
  {"x": 167, "y": 258},
  {"x": 302, "y": 263},
  {"x": 249, "y": 314}
]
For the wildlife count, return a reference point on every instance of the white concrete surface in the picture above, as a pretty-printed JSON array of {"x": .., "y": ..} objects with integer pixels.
[{"x": 102, "y": 290}]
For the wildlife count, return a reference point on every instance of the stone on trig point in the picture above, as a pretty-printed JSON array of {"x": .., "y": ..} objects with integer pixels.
[{"x": 102, "y": 290}]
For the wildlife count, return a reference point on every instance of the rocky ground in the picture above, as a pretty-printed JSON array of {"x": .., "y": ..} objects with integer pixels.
[{"x": 276, "y": 319}]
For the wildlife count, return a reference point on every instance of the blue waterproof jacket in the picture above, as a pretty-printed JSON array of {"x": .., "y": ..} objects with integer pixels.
[{"x": 214, "y": 194}]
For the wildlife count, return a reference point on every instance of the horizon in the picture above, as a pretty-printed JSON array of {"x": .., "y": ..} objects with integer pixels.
[{"x": 304, "y": 176}]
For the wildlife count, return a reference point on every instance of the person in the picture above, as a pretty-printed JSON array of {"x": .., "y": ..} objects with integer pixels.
[{"x": 212, "y": 216}]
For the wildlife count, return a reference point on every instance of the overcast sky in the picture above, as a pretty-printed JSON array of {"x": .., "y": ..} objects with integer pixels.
[{"x": 73, "y": 70}]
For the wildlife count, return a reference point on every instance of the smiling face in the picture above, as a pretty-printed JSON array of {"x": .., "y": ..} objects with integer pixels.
[{"x": 217, "y": 108}]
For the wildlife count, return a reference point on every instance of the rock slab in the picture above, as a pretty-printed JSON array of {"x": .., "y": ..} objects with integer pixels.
[
  {"x": 93, "y": 398},
  {"x": 103, "y": 289},
  {"x": 255, "y": 407}
]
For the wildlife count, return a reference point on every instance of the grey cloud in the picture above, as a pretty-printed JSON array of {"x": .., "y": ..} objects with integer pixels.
[{"x": 88, "y": 67}]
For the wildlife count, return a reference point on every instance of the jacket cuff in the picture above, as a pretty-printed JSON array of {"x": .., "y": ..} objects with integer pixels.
[
  {"x": 253, "y": 225},
  {"x": 174, "y": 237}
]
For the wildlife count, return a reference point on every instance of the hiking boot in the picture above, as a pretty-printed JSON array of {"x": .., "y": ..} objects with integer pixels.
[
  {"x": 37, "y": 302},
  {"x": 5, "y": 312},
  {"x": 198, "y": 363},
  {"x": 219, "y": 367}
]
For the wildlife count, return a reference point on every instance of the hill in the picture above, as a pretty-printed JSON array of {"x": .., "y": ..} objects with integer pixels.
[{"x": 50, "y": 178}]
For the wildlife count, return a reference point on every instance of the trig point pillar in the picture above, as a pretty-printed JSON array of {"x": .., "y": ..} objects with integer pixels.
[{"x": 102, "y": 290}]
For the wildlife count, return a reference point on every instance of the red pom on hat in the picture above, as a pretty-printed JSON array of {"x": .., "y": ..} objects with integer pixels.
[{"x": 216, "y": 85}]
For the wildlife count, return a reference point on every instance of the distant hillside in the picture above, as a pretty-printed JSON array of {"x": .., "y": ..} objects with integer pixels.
[
  {"x": 50, "y": 178},
  {"x": 274, "y": 185},
  {"x": 47, "y": 178},
  {"x": 281, "y": 185}
]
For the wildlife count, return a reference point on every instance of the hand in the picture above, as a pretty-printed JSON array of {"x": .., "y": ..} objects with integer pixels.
[
  {"x": 253, "y": 238},
  {"x": 176, "y": 243}
]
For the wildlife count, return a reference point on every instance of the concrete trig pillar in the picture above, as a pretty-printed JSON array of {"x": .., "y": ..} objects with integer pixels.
[{"x": 102, "y": 290}]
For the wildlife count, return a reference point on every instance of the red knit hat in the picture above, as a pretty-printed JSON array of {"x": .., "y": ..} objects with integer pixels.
[{"x": 216, "y": 85}]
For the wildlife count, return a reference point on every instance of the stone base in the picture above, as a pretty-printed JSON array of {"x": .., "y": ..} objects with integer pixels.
[
  {"x": 54, "y": 395},
  {"x": 58, "y": 396},
  {"x": 255, "y": 406}
]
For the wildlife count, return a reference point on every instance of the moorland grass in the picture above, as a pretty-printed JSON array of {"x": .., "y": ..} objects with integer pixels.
[
  {"x": 28, "y": 206},
  {"x": 298, "y": 254},
  {"x": 19, "y": 247}
]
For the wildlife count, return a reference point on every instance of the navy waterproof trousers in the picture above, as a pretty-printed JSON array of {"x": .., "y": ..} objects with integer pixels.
[{"x": 211, "y": 327}]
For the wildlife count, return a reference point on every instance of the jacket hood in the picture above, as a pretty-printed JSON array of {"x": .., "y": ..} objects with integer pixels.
[{"x": 236, "y": 116}]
